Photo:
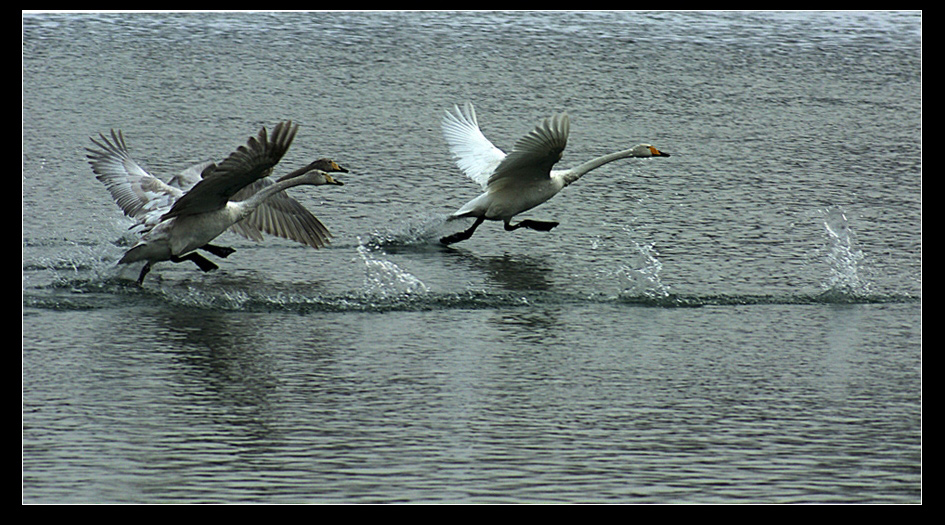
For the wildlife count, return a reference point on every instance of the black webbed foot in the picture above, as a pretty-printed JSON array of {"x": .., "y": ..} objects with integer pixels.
[{"x": 219, "y": 251}]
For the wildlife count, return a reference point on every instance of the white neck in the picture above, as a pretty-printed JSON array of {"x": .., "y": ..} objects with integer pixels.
[
  {"x": 246, "y": 207},
  {"x": 575, "y": 173}
]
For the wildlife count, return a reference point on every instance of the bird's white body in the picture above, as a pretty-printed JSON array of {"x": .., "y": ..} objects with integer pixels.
[
  {"x": 503, "y": 203},
  {"x": 177, "y": 236},
  {"x": 522, "y": 179}
]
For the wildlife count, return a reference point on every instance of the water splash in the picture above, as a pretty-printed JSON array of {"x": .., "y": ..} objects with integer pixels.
[
  {"x": 843, "y": 257},
  {"x": 383, "y": 279},
  {"x": 638, "y": 275},
  {"x": 420, "y": 231},
  {"x": 642, "y": 272}
]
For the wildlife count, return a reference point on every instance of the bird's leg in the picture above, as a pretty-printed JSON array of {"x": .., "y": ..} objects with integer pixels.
[
  {"x": 144, "y": 271},
  {"x": 219, "y": 251},
  {"x": 463, "y": 235},
  {"x": 197, "y": 259},
  {"x": 542, "y": 226}
]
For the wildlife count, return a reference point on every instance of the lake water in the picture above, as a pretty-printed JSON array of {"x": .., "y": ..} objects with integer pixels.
[{"x": 739, "y": 322}]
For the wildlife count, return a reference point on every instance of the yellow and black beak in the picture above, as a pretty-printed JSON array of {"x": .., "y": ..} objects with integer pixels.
[
  {"x": 657, "y": 153},
  {"x": 335, "y": 167}
]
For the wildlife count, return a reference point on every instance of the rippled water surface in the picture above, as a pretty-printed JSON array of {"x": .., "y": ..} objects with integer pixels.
[{"x": 739, "y": 322}]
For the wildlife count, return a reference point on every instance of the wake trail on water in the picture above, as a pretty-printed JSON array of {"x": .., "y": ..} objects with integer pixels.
[{"x": 629, "y": 273}]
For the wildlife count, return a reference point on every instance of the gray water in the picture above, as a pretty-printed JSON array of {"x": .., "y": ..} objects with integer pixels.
[{"x": 739, "y": 322}]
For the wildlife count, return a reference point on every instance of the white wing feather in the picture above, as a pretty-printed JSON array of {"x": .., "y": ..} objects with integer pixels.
[
  {"x": 137, "y": 192},
  {"x": 475, "y": 155},
  {"x": 531, "y": 158}
]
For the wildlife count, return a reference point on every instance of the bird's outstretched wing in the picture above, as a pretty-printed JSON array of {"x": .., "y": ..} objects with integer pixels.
[
  {"x": 137, "y": 192},
  {"x": 244, "y": 166},
  {"x": 534, "y": 154},
  {"x": 280, "y": 215},
  {"x": 475, "y": 155}
]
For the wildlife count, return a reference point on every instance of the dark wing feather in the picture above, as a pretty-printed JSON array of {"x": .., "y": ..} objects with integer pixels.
[
  {"x": 244, "y": 166},
  {"x": 280, "y": 215}
]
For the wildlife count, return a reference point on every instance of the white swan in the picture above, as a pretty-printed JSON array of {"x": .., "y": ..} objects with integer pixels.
[
  {"x": 183, "y": 215},
  {"x": 522, "y": 179}
]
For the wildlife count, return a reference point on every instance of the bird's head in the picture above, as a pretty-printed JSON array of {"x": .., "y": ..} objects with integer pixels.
[
  {"x": 323, "y": 165},
  {"x": 646, "y": 150},
  {"x": 327, "y": 165}
]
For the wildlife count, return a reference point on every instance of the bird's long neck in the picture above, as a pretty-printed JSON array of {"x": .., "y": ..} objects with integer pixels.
[
  {"x": 296, "y": 173},
  {"x": 247, "y": 206},
  {"x": 579, "y": 171}
]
